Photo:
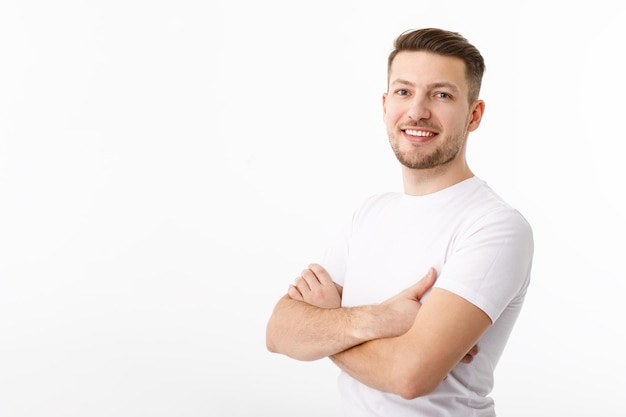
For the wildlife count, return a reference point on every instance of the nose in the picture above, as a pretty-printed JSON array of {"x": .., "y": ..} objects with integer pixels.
[{"x": 418, "y": 108}]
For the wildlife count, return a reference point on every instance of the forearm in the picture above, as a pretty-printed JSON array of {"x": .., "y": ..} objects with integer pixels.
[
  {"x": 364, "y": 365},
  {"x": 382, "y": 364},
  {"x": 306, "y": 332}
]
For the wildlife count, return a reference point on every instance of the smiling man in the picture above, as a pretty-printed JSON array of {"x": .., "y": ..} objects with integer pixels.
[{"x": 408, "y": 346}]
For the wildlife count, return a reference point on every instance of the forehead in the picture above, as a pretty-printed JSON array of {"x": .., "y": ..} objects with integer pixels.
[{"x": 425, "y": 68}]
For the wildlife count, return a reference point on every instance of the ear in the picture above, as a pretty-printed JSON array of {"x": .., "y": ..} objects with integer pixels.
[
  {"x": 384, "y": 104},
  {"x": 476, "y": 115}
]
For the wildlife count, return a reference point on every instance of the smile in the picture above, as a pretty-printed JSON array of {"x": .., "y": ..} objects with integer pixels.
[{"x": 421, "y": 133}]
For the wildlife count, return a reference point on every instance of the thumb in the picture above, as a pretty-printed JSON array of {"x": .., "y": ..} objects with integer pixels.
[{"x": 426, "y": 283}]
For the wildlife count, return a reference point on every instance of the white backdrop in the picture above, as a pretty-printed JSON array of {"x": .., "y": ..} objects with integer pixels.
[{"x": 167, "y": 168}]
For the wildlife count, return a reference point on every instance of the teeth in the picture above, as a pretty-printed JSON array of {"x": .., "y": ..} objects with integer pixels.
[{"x": 418, "y": 133}]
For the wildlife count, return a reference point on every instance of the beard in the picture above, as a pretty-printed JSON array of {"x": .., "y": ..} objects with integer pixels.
[{"x": 414, "y": 156}]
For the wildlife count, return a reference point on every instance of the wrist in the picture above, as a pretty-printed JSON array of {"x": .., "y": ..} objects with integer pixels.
[{"x": 371, "y": 322}]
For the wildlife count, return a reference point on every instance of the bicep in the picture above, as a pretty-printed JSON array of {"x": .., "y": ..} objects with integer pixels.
[{"x": 446, "y": 327}]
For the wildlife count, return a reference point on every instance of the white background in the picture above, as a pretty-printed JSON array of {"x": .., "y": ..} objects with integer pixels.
[{"x": 167, "y": 168}]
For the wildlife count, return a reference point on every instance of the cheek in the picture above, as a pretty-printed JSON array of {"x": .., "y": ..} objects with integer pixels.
[
  {"x": 453, "y": 120},
  {"x": 391, "y": 114}
]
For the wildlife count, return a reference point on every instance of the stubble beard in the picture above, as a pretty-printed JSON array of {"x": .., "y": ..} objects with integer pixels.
[{"x": 416, "y": 158}]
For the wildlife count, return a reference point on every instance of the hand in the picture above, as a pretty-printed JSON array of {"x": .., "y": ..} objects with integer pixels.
[
  {"x": 316, "y": 287},
  {"x": 469, "y": 356},
  {"x": 403, "y": 306},
  {"x": 407, "y": 303}
]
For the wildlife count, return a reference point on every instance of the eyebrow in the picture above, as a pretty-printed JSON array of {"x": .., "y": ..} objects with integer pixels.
[{"x": 429, "y": 86}]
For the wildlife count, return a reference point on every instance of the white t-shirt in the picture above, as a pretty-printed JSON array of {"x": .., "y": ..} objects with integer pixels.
[{"x": 482, "y": 250}]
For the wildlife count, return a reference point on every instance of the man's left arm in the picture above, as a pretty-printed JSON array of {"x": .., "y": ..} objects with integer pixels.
[{"x": 446, "y": 328}]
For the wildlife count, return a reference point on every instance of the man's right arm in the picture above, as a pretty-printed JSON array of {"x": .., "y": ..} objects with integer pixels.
[
  {"x": 308, "y": 323},
  {"x": 306, "y": 332}
]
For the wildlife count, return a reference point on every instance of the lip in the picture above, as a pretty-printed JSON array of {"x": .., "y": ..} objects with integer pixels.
[{"x": 426, "y": 135}]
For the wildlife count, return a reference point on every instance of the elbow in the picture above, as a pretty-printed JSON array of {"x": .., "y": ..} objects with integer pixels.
[
  {"x": 277, "y": 342},
  {"x": 276, "y": 338},
  {"x": 270, "y": 346},
  {"x": 412, "y": 390},
  {"x": 411, "y": 383},
  {"x": 274, "y": 345},
  {"x": 271, "y": 343},
  {"x": 290, "y": 351}
]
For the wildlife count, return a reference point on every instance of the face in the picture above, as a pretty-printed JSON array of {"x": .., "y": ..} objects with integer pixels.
[{"x": 426, "y": 109}]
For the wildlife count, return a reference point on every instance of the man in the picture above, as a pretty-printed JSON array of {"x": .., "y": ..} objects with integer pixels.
[{"x": 425, "y": 348}]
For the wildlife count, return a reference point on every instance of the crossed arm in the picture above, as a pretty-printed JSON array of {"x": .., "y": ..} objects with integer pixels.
[{"x": 399, "y": 345}]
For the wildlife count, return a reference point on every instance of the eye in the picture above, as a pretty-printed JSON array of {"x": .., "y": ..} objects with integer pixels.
[
  {"x": 442, "y": 95},
  {"x": 402, "y": 92}
]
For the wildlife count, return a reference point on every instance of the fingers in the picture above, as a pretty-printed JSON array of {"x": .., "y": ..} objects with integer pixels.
[
  {"x": 310, "y": 278},
  {"x": 315, "y": 286},
  {"x": 469, "y": 356},
  {"x": 302, "y": 283},
  {"x": 321, "y": 275},
  {"x": 294, "y": 293},
  {"x": 473, "y": 351}
]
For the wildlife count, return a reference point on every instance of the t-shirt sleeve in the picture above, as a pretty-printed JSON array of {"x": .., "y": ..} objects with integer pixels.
[{"x": 491, "y": 262}]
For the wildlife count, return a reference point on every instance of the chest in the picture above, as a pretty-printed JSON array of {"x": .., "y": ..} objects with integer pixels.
[{"x": 394, "y": 249}]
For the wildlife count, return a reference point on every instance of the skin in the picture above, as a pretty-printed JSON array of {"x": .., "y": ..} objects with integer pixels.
[
  {"x": 313, "y": 303},
  {"x": 428, "y": 94},
  {"x": 401, "y": 345},
  {"x": 316, "y": 288}
]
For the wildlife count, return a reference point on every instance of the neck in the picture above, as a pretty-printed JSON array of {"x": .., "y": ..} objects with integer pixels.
[{"x": 428, "y": 181}]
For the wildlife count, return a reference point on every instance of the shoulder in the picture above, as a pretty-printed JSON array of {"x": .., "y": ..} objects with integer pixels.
[
  {"x": 489, "y": 222},
  {"x": 490, "y": 208}
]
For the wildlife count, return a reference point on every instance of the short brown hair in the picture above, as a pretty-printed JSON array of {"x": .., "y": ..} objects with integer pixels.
[{"x": 443, "y": 42}]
